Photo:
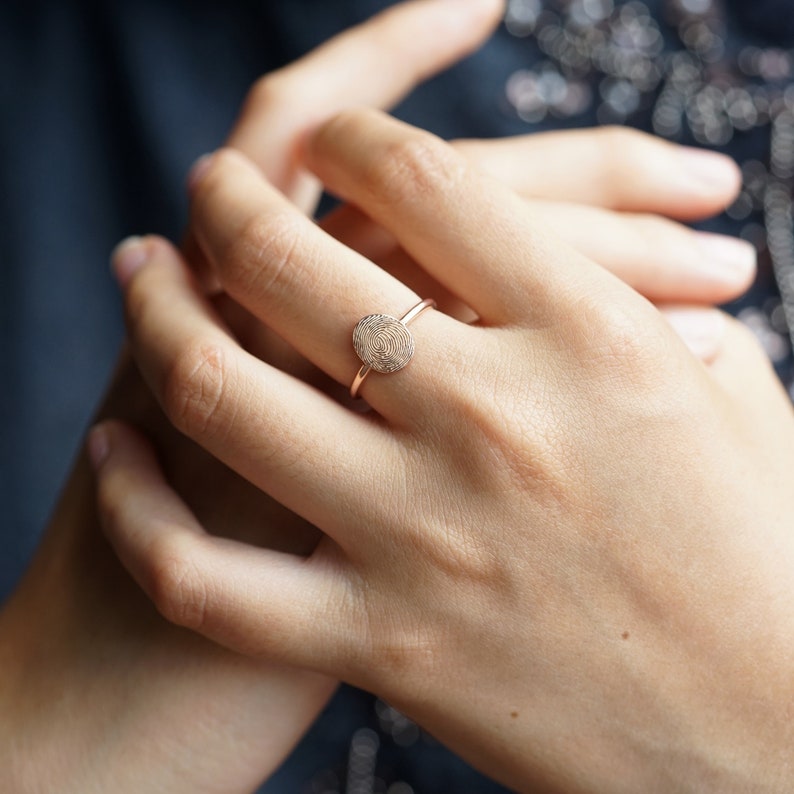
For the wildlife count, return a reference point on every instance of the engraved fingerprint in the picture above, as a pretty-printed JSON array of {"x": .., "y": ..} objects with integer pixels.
[{"x": 383, "y": 343}]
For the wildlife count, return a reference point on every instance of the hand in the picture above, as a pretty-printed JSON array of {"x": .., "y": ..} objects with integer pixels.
[
  {"x": 97, "y": 692},
  {"x": 561, "y": 542}
]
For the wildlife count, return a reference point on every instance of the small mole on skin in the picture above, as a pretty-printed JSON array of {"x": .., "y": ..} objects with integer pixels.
[
  {"x": 625, "y": 635},
  {"x": 513, "y": 714}
]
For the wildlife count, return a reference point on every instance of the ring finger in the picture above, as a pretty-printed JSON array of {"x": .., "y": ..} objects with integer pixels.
[
  {"x": 306, "y": 286},
  {"x": 288, "y": 439}
]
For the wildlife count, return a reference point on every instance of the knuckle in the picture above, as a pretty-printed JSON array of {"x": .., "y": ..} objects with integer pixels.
[
  {"x": 657, "y": 232},
  {"x": 213, "y": 189},
  {"x": 746, "y": 342},
  {"x": 509, "y": 422},
  {"x": 175, "y": 584},
  {"x": 653, "y": 241},
  {"x": 264, "y": 258},
  {"x": 405, "y": 166},
  {"x": 616, "y": 141},
  {"x": 622, "y": 152},
  {"x": 223, "y": 160},
  {"x": 630, "y": 343},
  {"x": 444, "y": 540},
  {"x": 270, "y": 92},
  {"x": 110, "y": 501},
  {"x": 195, "y": 390},
  {"x": 419, "y": 166},
  {"x": 138, "y": 305}
]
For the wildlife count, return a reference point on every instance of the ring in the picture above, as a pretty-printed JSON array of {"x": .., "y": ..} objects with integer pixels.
[{"x": 384, "y": 343}]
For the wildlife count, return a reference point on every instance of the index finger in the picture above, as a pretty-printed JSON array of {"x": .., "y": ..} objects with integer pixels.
[{"x": 373, "y": 64}]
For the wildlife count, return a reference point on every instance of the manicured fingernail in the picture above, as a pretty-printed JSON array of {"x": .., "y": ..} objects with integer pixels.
[
  {"x": 727, "y": 258},
  {"x": 197, "y": 171},
  {"x": 701, "y": 329},
  {"x": 712, "y": 170},
  {"x": 98, "y": 446},
  {"x": 128, "y": 257}
]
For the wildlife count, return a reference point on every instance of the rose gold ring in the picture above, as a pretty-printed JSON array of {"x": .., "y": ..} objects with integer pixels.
[{"x": 384, "y": 343}]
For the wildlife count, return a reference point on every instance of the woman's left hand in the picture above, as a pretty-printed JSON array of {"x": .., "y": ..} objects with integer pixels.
[
  {"x": 97, "y": 692},
  {"x": 560, "y": 542}
]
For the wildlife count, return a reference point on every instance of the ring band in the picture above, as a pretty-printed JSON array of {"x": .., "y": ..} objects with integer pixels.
[{"x": 384, "y": 343}]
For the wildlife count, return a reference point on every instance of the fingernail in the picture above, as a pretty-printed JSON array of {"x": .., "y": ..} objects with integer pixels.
[
  {"x": 714, "y": 171},
  {"x": 98, "y": 446},
  {"x": 128, "y": 257},
  {"x": 728, "y": 258},
  {"x": 701, "y": 329},
  {"x": 197, "y": 171}
]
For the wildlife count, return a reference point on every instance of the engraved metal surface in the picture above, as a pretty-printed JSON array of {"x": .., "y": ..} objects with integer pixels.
[{"x": 383, "y": 343}]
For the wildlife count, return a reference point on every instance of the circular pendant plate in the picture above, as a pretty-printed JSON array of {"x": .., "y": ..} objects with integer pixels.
[{"x": 383, "y": 343}]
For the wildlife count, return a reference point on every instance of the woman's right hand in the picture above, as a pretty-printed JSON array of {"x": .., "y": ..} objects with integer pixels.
[
  {"x": 561, "y": 543},
  {"x": 584, "y": 185}
]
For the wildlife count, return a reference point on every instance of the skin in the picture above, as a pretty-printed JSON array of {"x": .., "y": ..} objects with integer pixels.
[
  {"x": 559, "y": 541},
  {"x": 165, "y": 703}
]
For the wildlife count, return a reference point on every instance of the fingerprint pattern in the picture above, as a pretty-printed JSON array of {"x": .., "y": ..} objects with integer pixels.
[{"x": 383, "y": 343}]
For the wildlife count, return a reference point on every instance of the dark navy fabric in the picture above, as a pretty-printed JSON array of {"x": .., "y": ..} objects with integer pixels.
[
  {"x": 104, "y": 107},
  {"x": 772, "y": 21}
]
